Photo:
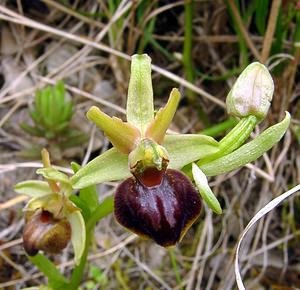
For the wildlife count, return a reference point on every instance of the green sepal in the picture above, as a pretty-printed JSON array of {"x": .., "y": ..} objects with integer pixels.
[
  {"x": 140, "y": 111},
  {"x": 121, "y": 134},
  {"x": 33, "y": 188},
  {"x": 112, "y": 165},
  {"x": 109, "y": 166},
  {"x": 53, "y": 174},
  {"x": 50, "y": 173},
  {"x": 78, "y": 236},
  {"x": 248, "y": 152},
  {"x": 158, "y": 127},
  {"x": 204, "y": 189},
  {"x": 186, "y": 148}
]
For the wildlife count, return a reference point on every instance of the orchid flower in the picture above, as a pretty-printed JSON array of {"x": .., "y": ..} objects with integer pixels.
[{"x": 155, "y": 199}]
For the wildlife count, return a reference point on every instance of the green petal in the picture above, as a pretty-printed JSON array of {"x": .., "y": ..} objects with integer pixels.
[
  {"x": 109, "y": 166},
  {"x": 122, "y": 135},
  {"x": 140, "y": 111},
  {"x": 33, "y": 188},
  {"x": 205, "y": 191},
  {"x": 78, "y": 237},
  {"x": 159, "y": 126},
  {"x": 248, "y": 152},
  {"x": 186, "y": 148}
]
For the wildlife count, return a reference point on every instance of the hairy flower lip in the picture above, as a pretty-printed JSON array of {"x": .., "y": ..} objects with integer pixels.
[{"x": 162, "y": 212}]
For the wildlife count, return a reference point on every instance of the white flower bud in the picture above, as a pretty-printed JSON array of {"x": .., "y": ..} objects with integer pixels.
[{"x": 252, "y": 92}]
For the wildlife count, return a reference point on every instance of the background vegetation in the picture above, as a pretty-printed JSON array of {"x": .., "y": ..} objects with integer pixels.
[{"x": 198, "y": 46}]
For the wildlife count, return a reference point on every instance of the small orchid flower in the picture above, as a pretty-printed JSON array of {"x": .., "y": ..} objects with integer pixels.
[
  {"x": 156, "y": 200},
  {"x": 51, "y": 219}
]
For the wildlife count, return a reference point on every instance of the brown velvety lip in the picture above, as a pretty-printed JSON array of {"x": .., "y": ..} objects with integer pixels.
[{"x": 163, "y": 212}]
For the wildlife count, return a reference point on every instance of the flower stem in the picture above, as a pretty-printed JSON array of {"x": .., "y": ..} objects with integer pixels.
[
  {"x": 234, "y": 139},
  {"x": 100, "y": 212},
  {"x": 78, "y": 271}
]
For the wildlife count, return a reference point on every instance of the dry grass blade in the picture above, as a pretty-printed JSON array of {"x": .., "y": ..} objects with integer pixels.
[
  {"x": 267, "y": 208},
  {"x": 270, "y": 30},
  {"x": 243, "y": 29},
  {"x": 16, "y": 18}
]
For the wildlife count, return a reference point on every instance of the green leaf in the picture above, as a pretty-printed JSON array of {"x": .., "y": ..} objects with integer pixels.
[
  {"x": 78, "y": 234},
  {"x": 186, "y": 148},
  {"x": 205, "y": 191},
  {"x": 109, "y": 166},
  {"x": 45, "y": 101},
  {"x": 103, "y": 209},
  {"x": 139, "y": 109},
  {"x": 36, "y": 117},
  {"x": 33, "y": 188},
  {"x": 86, "y": 213},
  {"x": 67, "y": 112},
  {"x": 248, "y": 152},
  {"x": 56, "y": 279},
  {"x": 32, "y": 130},
  {"x": 159, "y": 126},
  {"x": 121, "y": 134},
  {"x": 60, "y": 127},
  {"x": 261, "y": 13},
  {"x": 89, "y": 196},
  {"x": 41, "y": 287},
  {"x": 38, "y": 102},
  {"x": 59, "y": 96},
  {"x": 74, "y": 140},
  {"x": 53, "y": 112}
]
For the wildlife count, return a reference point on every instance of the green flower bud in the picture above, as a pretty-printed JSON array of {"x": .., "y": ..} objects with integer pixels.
[
  {"x": 43, "y": 232},
  {"x": 252, "y": 93}
]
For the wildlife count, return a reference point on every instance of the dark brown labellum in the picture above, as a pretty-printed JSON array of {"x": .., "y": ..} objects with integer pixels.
[
  {"x": 43, "y": 232},
  {"x": 163, "y": 212}
]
